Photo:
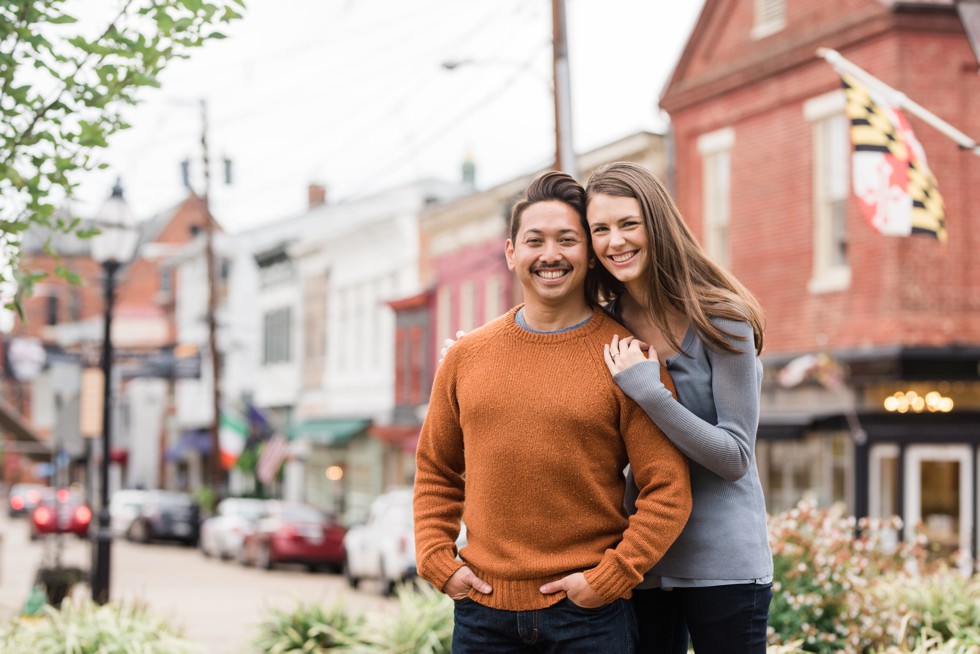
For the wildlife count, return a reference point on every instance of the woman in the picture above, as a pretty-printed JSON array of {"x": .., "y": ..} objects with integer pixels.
[{"x": 690, "y": 315}]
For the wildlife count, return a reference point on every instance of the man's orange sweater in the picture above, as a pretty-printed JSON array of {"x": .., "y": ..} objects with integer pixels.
[{"x": 525, "y": 440}]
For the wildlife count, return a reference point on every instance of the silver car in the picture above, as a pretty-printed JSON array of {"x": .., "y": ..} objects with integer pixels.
[{"x": 223, "y": 533}]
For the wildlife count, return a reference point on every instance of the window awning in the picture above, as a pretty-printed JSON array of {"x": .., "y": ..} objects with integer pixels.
[
  {"x": 404, "y": 437},
  {"x": 12, "y": 422},
  {"x": 328, "y": 431}
]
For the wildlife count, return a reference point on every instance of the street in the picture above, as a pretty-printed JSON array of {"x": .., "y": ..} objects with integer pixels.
[{"x": 218, "y": 604}]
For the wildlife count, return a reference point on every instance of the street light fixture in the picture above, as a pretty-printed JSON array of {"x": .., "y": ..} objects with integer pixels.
[
  {"x": 559, "y": 86},
  {"x": 112, "y": 247}
]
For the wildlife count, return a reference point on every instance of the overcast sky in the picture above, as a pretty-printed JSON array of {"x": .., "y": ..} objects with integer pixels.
[{"x": 352, "y": 94}]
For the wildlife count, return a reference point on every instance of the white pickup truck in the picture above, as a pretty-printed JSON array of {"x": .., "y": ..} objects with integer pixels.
[{"x": 384, "y": 547}]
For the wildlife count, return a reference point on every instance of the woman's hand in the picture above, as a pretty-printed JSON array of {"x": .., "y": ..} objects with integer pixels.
[
  {"x": 625, "y": 352},
  {"x": 448, "y": 343}
]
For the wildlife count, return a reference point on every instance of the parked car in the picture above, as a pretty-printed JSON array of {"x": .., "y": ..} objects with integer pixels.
[
  {"x": 223, "y": 533},
  {"x": 61, "y": 512},
  {"x": 384, "y": 547},
  {"x": 166, "y": 515},
  {"x": 23, "y": 498},
  {"x": 124, "y": 506},
  {"x": 292, "y": 532}
]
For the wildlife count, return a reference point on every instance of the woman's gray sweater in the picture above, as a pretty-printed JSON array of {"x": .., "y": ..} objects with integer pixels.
[{"x": 713, "y": 422}]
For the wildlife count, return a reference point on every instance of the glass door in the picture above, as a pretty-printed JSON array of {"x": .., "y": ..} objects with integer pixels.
[{"x": 939, "y": 494}]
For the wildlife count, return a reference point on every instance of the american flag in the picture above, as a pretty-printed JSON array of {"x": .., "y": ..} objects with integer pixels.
[{"x": 273, "y": 454}]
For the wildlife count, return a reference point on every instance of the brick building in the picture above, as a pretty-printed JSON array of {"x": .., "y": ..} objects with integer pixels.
[
  {"x": 763, "y": 163},
  {"x": 67, "y": 318}
]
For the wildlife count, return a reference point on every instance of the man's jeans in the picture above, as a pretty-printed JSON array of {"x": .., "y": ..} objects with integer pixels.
[{"x": 563, "y": 627}]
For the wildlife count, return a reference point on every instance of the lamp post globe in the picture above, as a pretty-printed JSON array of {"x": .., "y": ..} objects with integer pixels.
[{"x": 112, "y": 247}]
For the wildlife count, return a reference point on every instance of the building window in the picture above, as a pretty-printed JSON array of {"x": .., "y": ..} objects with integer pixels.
[
  {"x": 884, "y": 489},
  {"x": 51, "y": 310},
  {"x": 818, "y": 467},
  {"x": 75, "y": 303},
  {"x": 277, "y": 327},
  {"x": 166, "y": 281},
  {"x": 770, "y": 17},
  {"x": 344, "y": 310},
  {"x": 831, "y": 187},
  {"x": 314, "y": 329},
  {"x": 276, "y": 273},
  {"x": 444, "y": 314},
  {"x": 715, "y": 149},
  {"x": 416, "y": 353},
  {"x": 491, "y": 298},
  {"x": 224, "y": 279},
  {"x": 402, "y": 365},
  {"x": 467, "y": 306}
]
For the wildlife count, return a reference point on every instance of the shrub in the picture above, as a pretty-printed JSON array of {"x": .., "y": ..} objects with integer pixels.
[
  {"x": 423, "y": 625},
  {"x": 87, "y": 628},
  {"x": 823, "y": 573},
  {"x": 309, "y": 629},
  {"x": 943, "y": 607}
]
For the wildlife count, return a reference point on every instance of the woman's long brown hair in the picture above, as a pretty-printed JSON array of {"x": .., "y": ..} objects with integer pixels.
[{"x": 679, "y": 272}]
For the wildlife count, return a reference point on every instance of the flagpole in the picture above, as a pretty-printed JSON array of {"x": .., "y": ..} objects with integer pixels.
[{"x": 898, "y": 98}]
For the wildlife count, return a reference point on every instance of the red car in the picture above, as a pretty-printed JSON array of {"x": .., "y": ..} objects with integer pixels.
[
  {"x": 291, "y": 532},
  {"x": 64, "y": 512}
]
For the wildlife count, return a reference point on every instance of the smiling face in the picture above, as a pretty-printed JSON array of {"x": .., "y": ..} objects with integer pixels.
[
  {"x": 619, "y": 235},
  {"x": 550, "y": 255}
]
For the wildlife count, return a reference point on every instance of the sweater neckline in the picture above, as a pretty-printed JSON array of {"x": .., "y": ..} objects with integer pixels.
[{"x": 584, "y": 331}]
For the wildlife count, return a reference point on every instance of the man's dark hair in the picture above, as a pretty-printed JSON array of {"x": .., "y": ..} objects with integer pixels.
[{"x": 550, "y": 186}]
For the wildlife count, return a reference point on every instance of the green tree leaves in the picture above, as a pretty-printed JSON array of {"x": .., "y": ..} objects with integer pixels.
[{"x": 63, "y": 92}]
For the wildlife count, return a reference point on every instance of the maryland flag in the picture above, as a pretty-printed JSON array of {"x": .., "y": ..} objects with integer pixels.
[{"x": 894, "y": 186}]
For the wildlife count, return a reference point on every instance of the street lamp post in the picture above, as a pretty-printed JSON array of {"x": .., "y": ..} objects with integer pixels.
[{"x": 112, "y": 247}]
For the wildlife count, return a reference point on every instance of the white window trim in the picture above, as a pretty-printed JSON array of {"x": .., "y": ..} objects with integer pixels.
[
  {"x": 878, "y": 454},
  {"x": 711, "y": 145},
  {"x": 444, "y": 298},
  {"x": 491, "y": 298},
  {"x": 467, "y": 306},
  {"x": 763, "y": 27},
  {"x": 716, "y": 141},
  {"x": 815, "y": 110},
  {"x": 916, "y": 455}
]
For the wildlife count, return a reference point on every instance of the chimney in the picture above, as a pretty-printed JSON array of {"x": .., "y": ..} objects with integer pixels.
[{"x": 317, "y": 195}]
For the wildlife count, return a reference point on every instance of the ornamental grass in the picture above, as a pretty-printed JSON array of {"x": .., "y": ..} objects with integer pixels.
[{"x": 83, "y": 627}]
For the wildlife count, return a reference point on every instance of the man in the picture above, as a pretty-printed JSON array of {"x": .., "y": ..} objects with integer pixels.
[{"x": 525, "y": 441}]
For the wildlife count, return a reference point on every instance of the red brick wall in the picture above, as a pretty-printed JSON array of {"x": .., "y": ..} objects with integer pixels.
[
  {"x": 138, "y": 284},
  {"x": 903, "y": 290}
]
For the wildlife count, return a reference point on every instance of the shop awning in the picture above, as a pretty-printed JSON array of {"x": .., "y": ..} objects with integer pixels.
[
  {"x": 11, "y": 421},
  {"x": 404, "y": 437},
  {"x": 328, "y": 431},
  {"x": 14, "y": 424}
]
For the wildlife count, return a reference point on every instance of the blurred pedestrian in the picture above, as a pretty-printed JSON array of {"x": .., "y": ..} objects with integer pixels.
[
  {"x": 691, "y": 317},
  {"x": 525, "y": 440}
]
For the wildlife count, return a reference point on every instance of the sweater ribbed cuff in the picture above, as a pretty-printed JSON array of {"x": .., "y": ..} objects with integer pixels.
[
  {"x": 611, "y": 580},
  {"x": 439, "y": 567}
]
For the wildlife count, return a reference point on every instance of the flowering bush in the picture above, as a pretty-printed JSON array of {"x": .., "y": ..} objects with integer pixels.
[{"x": 846, "y": 585}]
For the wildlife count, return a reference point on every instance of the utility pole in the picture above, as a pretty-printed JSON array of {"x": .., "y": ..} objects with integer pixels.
[
  {"x": 216, "y": 472},
  {"x": 564, "y": 153}
]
